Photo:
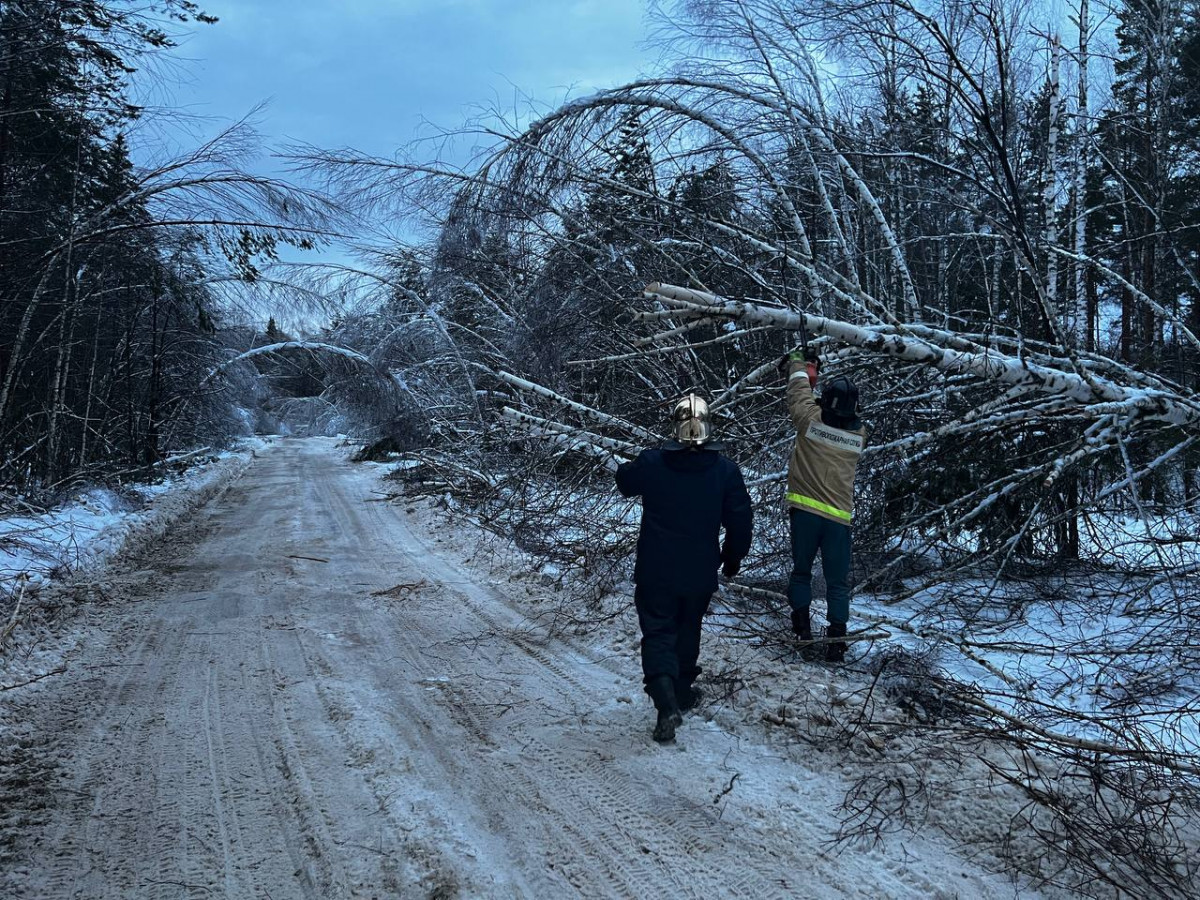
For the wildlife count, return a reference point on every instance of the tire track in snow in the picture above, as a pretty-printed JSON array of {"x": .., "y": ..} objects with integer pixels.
[
  {"x": 598, "y": 825},
  {"x": 263, "y": 725}
]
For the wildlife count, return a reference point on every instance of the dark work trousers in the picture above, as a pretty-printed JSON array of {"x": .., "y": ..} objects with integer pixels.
[
  {"x": 811, "y": 533},
  {"x": 670, "y": 634}
]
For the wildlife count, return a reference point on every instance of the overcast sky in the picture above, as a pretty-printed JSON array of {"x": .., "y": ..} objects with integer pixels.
[
  {"x": 365, "y": 73},
  {"x": 368, "y": 73}
]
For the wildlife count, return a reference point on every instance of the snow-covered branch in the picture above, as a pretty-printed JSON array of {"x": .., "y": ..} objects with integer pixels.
[{"x": 1140, "y": 403}]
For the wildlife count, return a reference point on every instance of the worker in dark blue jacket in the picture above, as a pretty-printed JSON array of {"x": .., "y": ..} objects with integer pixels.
[{"x": 689, "y": 491}]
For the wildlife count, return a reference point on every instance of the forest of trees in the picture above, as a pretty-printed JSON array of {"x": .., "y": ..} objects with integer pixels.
[
  {"x": 987, "y": 212},
  {"x": 114, "y": 277}
]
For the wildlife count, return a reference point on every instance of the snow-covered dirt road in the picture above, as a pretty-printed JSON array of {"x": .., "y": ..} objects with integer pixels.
[{"x": 303, "y": 694}]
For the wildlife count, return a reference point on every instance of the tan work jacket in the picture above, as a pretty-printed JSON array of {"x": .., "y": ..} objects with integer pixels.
[{"x": 824, "y": 459}]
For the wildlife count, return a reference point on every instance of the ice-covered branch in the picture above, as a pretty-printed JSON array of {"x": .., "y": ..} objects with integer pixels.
[
  {"x": 594, "y": 414},
  {"x": 1141, "y": 403}
]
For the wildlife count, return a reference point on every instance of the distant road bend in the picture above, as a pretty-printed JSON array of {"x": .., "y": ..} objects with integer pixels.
[{"x": 306, "y": 695}]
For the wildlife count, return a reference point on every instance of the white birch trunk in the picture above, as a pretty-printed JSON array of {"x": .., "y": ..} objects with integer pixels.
[
  {"x": 1082, "y": 163},
  {"x": 1050, "y": 196}
]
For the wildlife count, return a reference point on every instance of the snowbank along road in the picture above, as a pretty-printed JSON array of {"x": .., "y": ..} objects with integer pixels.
[{"x": 303, "y": 694}]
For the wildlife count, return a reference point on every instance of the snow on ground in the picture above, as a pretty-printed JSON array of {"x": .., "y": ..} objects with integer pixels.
[
  {"x": 787, "y": 730},
  {"x": 304, "y": 693},
  {"x": 816, "y": 712},
  {"x": 50, "y": 560},
  {"x": 1077, "y": 654},
  {"x": 84, "y": 533},
  {"x": 1068, "y": 652}
]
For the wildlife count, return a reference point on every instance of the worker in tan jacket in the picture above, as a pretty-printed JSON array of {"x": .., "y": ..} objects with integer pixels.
[{"x": 820, "y": 493}]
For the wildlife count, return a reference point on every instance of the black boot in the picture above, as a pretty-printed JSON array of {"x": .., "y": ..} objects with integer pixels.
[
  {"x": 662, "y": 691},
  {"x": 835, "y": 651},
  {"x": 801, "y": 627},
  {"x": 688, "y": 696}
]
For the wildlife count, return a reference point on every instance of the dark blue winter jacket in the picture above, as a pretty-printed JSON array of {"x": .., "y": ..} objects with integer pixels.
[{"x": 687, "y": 496}]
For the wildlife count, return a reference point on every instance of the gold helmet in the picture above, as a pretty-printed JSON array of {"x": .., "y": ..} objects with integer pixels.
[{"x": 689, "y": 422}]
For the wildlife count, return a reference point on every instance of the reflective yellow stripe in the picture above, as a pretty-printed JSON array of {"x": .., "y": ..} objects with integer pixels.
[{"x": 801, "y": 500}]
